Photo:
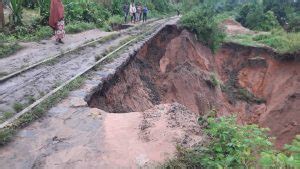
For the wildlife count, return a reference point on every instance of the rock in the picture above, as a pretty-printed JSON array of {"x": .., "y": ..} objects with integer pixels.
[
  {"x": 257, "y": 62},
  {"x": 78, "y": 102},
  {"x": 95, "y": 113}
]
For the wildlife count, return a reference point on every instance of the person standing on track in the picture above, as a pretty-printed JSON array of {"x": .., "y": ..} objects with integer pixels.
[
  {"x": 145, "y": 13},
  {"x": 126, "y": 11},
  {"x": 132, "y": 11},
  {"x": 56, "y": 20},
  {"x": 139, "y": 12}
]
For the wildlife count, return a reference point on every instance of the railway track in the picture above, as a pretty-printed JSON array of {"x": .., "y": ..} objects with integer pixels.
[{"x": 26, "y": 87}]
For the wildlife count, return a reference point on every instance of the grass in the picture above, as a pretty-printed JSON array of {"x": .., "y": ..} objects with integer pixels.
[
  {"x": 7, "y": 49},
  {"x": 214, "y": 81},
  {"x": 77, "y": 27},
  {"x": 281, "y": 41},
  {"x": 18, "y": 106},
  {"x": 5, "y": 116}
]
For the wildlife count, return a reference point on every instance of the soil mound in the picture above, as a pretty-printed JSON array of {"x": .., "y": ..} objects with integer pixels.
[
  {"x": 233, "y": 27},
  {"x": 145, "y": 139}
]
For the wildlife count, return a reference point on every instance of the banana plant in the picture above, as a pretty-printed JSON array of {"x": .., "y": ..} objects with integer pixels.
[
  {"x": 17, "y": 8},
  {"x": 44, "y": 10}
]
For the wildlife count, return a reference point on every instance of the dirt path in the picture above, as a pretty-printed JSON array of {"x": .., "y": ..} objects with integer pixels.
[
  {"x": 73, "y": 135},
  {"x": 34, "y": 52},
  {"x": 35, "y": 83}
]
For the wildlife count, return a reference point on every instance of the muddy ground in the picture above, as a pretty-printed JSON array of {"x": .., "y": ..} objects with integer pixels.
[
  {"x": 33, "y": 84},
  {"x": 34, "y": 52},
  {"x": 134, "y": 114},
  {"x": 73, "y": 135}
]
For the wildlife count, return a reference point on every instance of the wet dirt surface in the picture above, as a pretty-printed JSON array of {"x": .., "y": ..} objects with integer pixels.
[
  {"x": 73, "y": 135},
  {"x": 145, "y": 139},
  {"x": 34, "y": 83},
  {"x": 44, "y": 78},
  {"x": 34, "y": 52}
]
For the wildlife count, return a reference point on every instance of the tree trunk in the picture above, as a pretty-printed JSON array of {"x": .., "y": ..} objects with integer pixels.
[{"x": 1, "y": 15}]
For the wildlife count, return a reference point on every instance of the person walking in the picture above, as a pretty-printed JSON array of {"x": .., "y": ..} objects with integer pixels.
[
  {"x": 56, "y": 20},
  {"x": 139, "y": 12},
  {"x": 145, "y": 13},
  {"x": 126, "y": 11},
  {"x": 132, "y": 11}
]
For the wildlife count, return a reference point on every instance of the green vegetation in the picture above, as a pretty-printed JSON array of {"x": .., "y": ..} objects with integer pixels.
[
  {"x": 77, "y": 27},
  {"x": 115, "y": 20},
  {"x": 254, "y": 17},
  {"x": 18, "y": 106},
  {"x": 5, "y": 116},
  {"x": 280, "y": 40},
  {"x": 7, "y": 49},
  {"x": 214, "y": 81},
  {"x": 231, "y": 145},
  {"x": 201, "y": 21}
]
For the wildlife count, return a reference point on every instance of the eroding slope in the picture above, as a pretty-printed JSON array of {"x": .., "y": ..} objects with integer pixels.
[{"x": 174, "y": 67}]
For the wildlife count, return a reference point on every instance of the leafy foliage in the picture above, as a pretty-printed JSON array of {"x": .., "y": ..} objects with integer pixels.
[
  {"x": 288, "y": 159},
  {"x": 17, "y": 7},
  {"x": 44, "y": 6},
  {"x": 269, "y": 14},
  {"x": 202, "y": 22},
  {"x": 254, "y": 17},
  {"x": 231, "y": 145},
  {"x": 85, "y": 12}
]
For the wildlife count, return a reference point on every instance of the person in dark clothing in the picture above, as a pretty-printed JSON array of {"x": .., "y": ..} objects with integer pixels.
[
  {"x": 178, "y": 12},
  {"x": 145, "y": 12},
  {"x": 126, "y": 11}
]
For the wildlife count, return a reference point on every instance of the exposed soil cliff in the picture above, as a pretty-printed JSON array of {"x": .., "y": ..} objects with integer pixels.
[{"x": 174, "y": 67}]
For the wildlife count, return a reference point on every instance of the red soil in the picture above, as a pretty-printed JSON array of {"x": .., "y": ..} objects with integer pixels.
[{"x": 174, "y": 67}]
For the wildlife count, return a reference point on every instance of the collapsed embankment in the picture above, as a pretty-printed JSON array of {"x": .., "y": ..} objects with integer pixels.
[{"x": 174, "y": 67}]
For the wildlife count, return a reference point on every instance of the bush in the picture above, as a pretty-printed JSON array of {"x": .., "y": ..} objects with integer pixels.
[
  {"x": 231, "y": 145},
  {"x": 32, "y": 34},
  {"x": 294, "y": 22},
  {"x": 254, "y": 17},
  {"x": 85, "y": 12},
  {"x": 289, "y": 159},
  {"x": 115, "y": 20},
  {"x": 202, "y": 22}
]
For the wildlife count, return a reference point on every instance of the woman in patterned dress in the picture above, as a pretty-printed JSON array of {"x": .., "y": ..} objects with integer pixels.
[{"x": 56, "y": 20}]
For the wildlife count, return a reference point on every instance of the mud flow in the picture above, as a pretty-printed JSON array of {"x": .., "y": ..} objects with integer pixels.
[{"x": 256, "y": 84}]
